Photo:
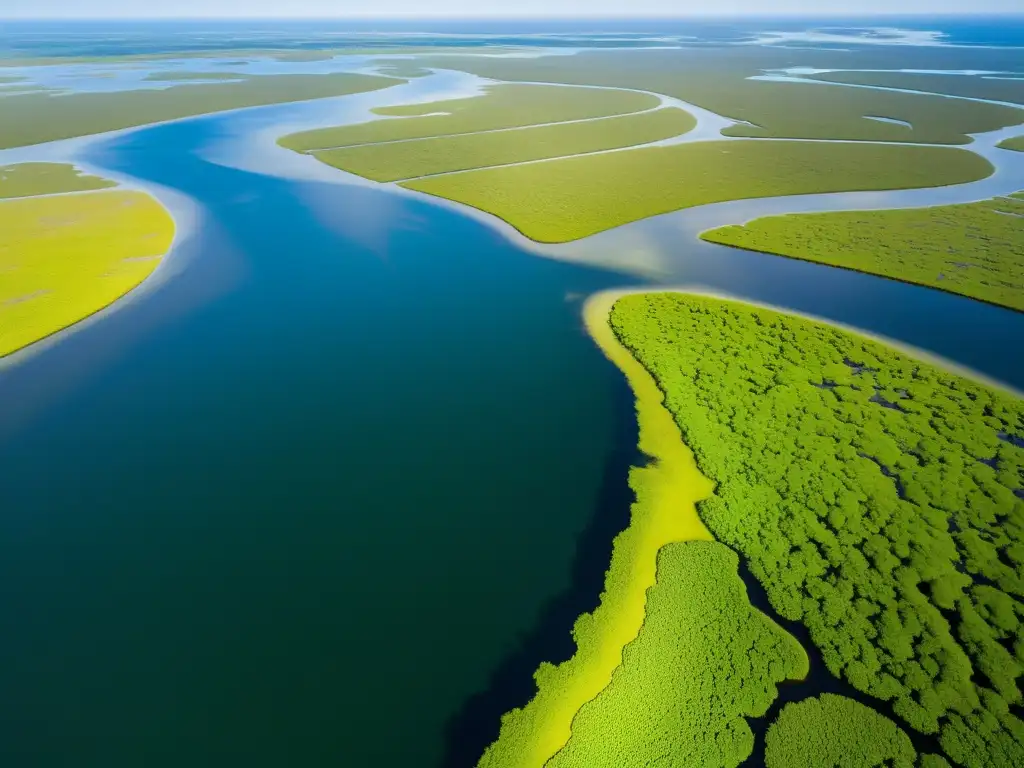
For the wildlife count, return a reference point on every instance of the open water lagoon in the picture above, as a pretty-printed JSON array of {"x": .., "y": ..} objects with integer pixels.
[{"x": 302, "y": 501}]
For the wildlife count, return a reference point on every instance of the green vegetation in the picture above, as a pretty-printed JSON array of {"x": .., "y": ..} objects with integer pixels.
[
  {"x": 566, "y": 199},
  {"x": 27, "y": 179},
  {"x": 976, "y": 250},
  {"x": 501, "y": 106},
  {"x": 835, "y": 731},
  {"x": 175, "y": 76},
  {"x": 704, "y": 660},
  {"x": 409, "y": 159},
  {"x": 878, "y": 499},
  {"x": 38, "y": 118},
  {"x": 971, "y": 86},
  {"x": 1016, "y": 144},
  {"x": 718, "y": 80},
  {"x": 63, "y": 258},
  {"x": 664, "y": 512}
]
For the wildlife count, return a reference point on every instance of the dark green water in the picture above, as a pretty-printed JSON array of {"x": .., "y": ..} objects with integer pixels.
[{"x": 298, "y": 506}]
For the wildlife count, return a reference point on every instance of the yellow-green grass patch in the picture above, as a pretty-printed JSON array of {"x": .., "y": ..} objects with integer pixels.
[
  {"x": 1016, "y": 144},
  {"x": 64, "y": 258},
  {"x": 975, "y": 250},
  {"x": 571, "y": 198},
  {"x": 26, "y": 179},
  {"x": 422, "y": 157},
  {"x": 37, "y": 118},
  {"x": 664, "y": 512},
  {"x": 704, "y": 661},
  {"x": 500, "y": 106},
  {"x": 719, "y": 80}
]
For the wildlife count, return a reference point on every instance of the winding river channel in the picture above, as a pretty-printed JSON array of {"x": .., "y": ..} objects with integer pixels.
[{"x": 328, "y": 488}]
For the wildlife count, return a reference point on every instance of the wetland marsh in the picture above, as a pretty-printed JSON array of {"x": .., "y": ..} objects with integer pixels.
[{"x": 364, "y": 460}]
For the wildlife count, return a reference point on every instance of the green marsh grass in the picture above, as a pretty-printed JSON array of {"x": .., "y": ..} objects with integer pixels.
[
  {"x": 38, "y": 118},
  {"x": 64, "y": 258},
  {"x": 971, "y": 86},
  {"x": 27, "y": 179},
  {"x": 975, "y": 250},
  {"x": 567, "y": 199},
  {"x": 718, "y": 80},
  {"x": 408, "y": 159},
  {"x": 501, "y": 106},
  {"x": 878, "y": 499}
]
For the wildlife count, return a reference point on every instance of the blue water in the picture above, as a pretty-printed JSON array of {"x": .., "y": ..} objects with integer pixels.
[
  {"x": 299, "y": 505},
  {"x": 327, "y": 496},
  {"x": 114, "y": 37}
]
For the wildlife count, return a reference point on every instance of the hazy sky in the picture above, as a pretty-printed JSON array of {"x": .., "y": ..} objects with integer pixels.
[{"x": 324, "y": 8}]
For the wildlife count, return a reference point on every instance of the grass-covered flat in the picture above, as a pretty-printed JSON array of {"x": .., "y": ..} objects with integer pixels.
[
  {"x": 879, "y": 500},
  {"x": 63, "y": 258},
  {"x": 704, "y": 661},
  {"x": 566, "y": 199},
  {"x": 1016, "y": 144},
  {"x": 36, "y": 118},
  {"x": 664, "y": 512},
  {"x": 975, "y": 249},
  {"x": 971, "y": 86},
  {"x": 408, "y": 159},
  {"x": 718, "y": 80},
  {"x": 27, "y": 179},
  {"x": 500, "y": 106}
]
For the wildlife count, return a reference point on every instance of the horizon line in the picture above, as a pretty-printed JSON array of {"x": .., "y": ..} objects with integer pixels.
[{"x": 515, "y": 16}]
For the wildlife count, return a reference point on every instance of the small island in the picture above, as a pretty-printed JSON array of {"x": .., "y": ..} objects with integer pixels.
[{"x": 70, "y": 245}]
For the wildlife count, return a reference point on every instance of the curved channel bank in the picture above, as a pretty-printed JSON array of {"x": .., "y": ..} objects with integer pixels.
[{"x": 666, "y": 490}]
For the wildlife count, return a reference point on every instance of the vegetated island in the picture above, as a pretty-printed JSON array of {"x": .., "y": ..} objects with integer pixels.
[
  {"x": 36, "y": 118},
  {"x": 1016, "y": 144},
  {"x": 570, "y": 198},
  {"x": 969, "y": 86},
  {"x": 499, "y": 106},
  {"x": 906, "y": 569},
  {"x": 64, "y": 257},
  {"x": 506, "y": 124},
  {"x": 877, "y": 498},
  {"x": 720, "y": 79},
  {"x": 29, "y": 179},
  {"x": 399, "y": 160},
  {"x": 975, "y": 249}
]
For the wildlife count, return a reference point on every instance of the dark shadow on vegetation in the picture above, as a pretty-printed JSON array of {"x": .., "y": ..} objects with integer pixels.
[
  {"x": 476, "y": 726},
  {"x": 819, "y": 680}
]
